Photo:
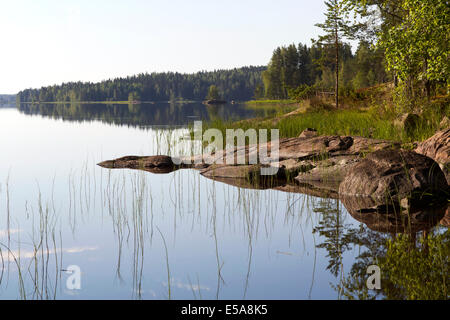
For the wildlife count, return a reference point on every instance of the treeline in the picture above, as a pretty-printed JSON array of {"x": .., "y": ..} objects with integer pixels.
[
  {"x": 297, "y": 66},
  {"x": 236, "y": 84}
]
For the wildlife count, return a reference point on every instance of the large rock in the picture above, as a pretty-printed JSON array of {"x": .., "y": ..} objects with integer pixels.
[
  {"x": 329, "y": 168},
  {"x": 365, "y": 145},
  {"x": 395, "y": 175},
  {"x": 438, "y": 148}
]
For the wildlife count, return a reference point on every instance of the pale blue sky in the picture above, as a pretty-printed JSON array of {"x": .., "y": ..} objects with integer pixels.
[{"x": 48, "y": 42}]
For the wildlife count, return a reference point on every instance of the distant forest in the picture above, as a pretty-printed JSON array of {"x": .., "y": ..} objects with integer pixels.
[{"x": 236, "y": 84}]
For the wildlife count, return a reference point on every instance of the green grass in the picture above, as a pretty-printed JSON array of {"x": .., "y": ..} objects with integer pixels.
[
  {"x": 372, "y": 116},
  {"x": 277, "y": 102},
  {"x": 365, "y": 123},
  {"x": 271, "y": 110}
]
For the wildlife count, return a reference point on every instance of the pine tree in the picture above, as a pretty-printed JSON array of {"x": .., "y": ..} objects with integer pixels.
[{"x": 336, "y": 27}]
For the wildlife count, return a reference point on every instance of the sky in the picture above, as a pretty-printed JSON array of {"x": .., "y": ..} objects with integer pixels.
[{"x": 49, "y": 42}]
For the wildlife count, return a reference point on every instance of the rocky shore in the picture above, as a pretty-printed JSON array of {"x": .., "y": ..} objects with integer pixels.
[{"x": 368, "y": 175}]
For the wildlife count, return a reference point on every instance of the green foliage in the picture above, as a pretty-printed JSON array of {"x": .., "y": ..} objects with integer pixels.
[
  {"x": 259, "y": 92},
  {"x": 318, "y": 105},
  {"x": 414, "y": 38},
  {"x": 302, "y": 92},
  {"x": 288, "y": 67},
  {"x": 133, "y": 96},
  {"x": 337, "y": 24},
  {"x": 336, "y": 27},
  {"x": 313, "y": 70},
  {"x": 417, "y": 273},
  {"x": 418, "y": 47},
  {"x": 213, "y": 93},
  {"x": 410, "y": 269}
]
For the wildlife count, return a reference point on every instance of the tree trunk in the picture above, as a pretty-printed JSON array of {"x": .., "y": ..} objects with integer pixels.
[
  {"x": 427, "y": 83},
  {"x": 336, "y": 89}
]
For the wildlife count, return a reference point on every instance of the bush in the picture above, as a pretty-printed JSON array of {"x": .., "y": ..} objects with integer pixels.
[
  {"x": 317, "y": 104},
  {"x": 349, "y": 92},
  {"x": 302, "y": 92}
]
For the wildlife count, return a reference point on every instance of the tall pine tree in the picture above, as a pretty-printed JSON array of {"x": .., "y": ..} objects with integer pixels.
[{"x": 336, "y": 27}]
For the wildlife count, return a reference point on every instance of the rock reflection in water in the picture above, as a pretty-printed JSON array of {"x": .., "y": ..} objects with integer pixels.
[{"x": 391, "y": 218}]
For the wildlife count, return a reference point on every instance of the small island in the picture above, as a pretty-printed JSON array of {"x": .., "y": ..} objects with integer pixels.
[
  {"x": 214, "y": 101},
  {"x": 214, "y": 97}
]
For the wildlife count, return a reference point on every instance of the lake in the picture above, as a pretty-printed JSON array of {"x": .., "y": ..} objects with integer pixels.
[{"x": 138, "y": 235}]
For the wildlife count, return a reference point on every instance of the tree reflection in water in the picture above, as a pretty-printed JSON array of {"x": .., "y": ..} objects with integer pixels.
[{"x": 410, "y": 247}]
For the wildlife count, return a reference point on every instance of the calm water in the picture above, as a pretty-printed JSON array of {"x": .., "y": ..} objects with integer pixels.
[
  {"x": 141, "y": 235},
  {"x": 144, "y": 115}
]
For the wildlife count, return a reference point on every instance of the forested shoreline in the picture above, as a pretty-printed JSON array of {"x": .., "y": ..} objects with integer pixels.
[{"x": 236, "y": 84}]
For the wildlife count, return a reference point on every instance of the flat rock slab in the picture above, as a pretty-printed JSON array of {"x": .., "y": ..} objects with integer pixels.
[{"x": 154, "y": 164}]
